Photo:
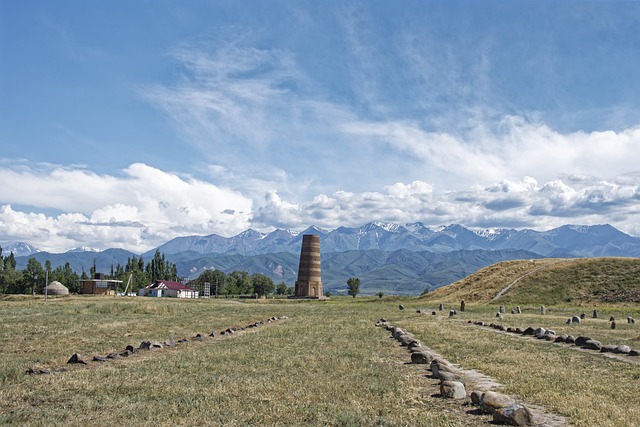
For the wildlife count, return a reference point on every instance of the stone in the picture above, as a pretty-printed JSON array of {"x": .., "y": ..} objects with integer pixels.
[
  {"x": 630, "y": 319},
  {"x": 126, "y": 353},
  {"x": 543, "y": 310},
  {"x": 490, "y": 401},
  {"x": 421, "y": 358},
  {"x": 539, "y": 331},
  {"x": 502, "y": 309},
  {"x": 419, "y": 311},
  {"x": 113, "y": 356},
  {"x": 581, "y": 340},
  {"x": 475, "y": 397},
  {"x": 576, "y": 319},
  {"x": 170, "y": 342},
  {"x": 462, "y": 305},
  {"x": 448, "y": 376},
  {"x": 156, "y": 345},
  {"x": 613, "y": 325},
  {"x": 519, "y": 331},
  {"x": 401, "y": 307},
  {"x": 592, "y": 345},
  {"x": 415, "y": 344},
  {"x": 569, "y": 321},
  {"x": 515, "y": 415},
  {"x": 144, "y": 345},
  {"x": 438, "y": 365},
  {"x": 570, "y": 339},
  {"x": 595, "y": 314},
  {"x": 433, "y": 313},
  {"x": 452, "y": 390},
  {"x": 441, "y": 307},
  {"x": 528, "y": 331},
  {"x": 212, "y": 334},
  {"x": 77, "y": 358},
  {"x": 382, "y": 320},
  {"x": 451, "y": 313},
  {"x": 612, "y": 319},
  {"x": 634, "y": 352},
  {"x": 519, "y": 310},
  {"x": 99, "y": 359},
  {"x": 513, "y": 311},
  {"x": 132, "y": 349},
  {"x": 622, "y": 349},
  {"x": 561, "y": 338},
  {"x": 583, "y": 316},
  {"x": 607, "y": 348}
]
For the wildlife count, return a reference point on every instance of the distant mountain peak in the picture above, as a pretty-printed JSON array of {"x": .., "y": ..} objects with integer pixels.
[{"x": 19, "y": 249}]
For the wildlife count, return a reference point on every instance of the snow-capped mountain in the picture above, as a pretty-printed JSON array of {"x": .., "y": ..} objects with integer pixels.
[
  {"x": 565, "y": 241},
  {"x": 19, "y": 249}
]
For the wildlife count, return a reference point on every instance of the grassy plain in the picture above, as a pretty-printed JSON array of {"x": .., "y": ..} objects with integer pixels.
[{"x": 325, "y": 365}]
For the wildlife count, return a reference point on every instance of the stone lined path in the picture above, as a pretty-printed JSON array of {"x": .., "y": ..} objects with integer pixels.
[{"x": 475, "y": 383}]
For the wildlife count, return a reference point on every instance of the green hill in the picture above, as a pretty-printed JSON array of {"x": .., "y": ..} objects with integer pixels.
[{"x": 548, "y": 281}]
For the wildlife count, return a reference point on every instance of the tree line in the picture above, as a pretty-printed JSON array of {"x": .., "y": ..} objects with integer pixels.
[{"x": 32, "y": 279}]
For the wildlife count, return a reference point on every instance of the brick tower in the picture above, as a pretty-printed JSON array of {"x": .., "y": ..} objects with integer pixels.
[{"x": 309, "y": 283}]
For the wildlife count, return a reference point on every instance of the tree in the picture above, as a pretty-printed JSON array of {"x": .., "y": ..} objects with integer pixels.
[
  {"x": 239, "y": 283},
  {"x": 33, "y": 276},
  {"x": 281, "y": 289},
  {"x": 380, "y": 295},
  {"x": 262, "y": 285},
  {"x": 354, "y": 286}
]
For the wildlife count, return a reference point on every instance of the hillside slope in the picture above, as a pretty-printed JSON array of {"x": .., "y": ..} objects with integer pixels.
[{"x": 549, "y": 281}]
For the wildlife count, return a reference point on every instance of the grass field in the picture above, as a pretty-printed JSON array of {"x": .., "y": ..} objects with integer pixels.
[{"x": 327, "y": 364}]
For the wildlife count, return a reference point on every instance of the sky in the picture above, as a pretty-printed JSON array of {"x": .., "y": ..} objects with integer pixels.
[{"x": 124, "y": 124}]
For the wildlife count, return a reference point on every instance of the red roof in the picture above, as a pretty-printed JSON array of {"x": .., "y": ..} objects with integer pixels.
[{"x": 176, "y": 286}]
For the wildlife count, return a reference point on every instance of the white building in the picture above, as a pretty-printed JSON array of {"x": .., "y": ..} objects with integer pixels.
[{"x": 164, "y": 288}]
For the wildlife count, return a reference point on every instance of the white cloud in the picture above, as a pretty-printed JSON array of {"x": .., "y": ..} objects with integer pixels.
[{"x": 137, "y": 211}]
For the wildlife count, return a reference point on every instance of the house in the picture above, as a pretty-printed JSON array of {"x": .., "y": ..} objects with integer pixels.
[
  {"x": 165, "y": 288},
  {"x": 99, "y": 285}
]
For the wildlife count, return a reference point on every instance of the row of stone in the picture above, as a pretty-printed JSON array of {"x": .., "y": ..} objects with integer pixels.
[
  {"x": 584, "y": 342},
  {"x": 504, "y": 409},
  {"x": 130, "y": 350}
]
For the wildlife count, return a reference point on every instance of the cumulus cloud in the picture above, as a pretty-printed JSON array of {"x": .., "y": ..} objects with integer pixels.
[
  {"x": 517, "y": 204},
  {"x": 142, "y": 208}
]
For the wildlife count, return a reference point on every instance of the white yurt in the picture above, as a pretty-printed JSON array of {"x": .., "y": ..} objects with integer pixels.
[{"x": 56, "y": 288}]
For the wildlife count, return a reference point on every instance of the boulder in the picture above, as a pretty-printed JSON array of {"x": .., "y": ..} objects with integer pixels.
[
  {"x": 132, "y": 349},
  {"x": 475, "y": 397},
  {"x": 515, "y": 415},
  {"x": 528, "y": 331},
  {"x": 439, "y": 365},
  {"x": 583, "y": 316},
  {"x": 613, "y": 325},
  {"x": 452, "y": 390},
  {"x": 622, "y": 349},
  {"x": 422, "y": 358},
  {"x": 126, "y": 353},
  {"x": 99, "y": 359},
  {"x": 612, "y": 319},
  {"x": 502, "y": 309},
  {"x": 539, "y": 331},
  {"x": 576, "y": 319},
  {"x": 607, "y": 348},
  {"x": 113, "y": 356},
  {"x": 592, "y": 345},
  {"x": 561, "y": 338},
  {"x": 595, "y": 314},
  {"x": 144, "y": 345},
  {"x": 401, "y": 307},
  {"x": 519, "y": 310},
  {"x": 581, "y": 340},
  {"x": 156, "y": 345},
  {"x": 462, "y": 305},
  {"x": 448, "y": 376},
  {"x": 634, "y": 352},
  {"x": 543, "y": 310},
  {"x": 490, "y": 401},
  {"x": 212, "y": 334},
  {"x": 170, "y": 342},
  {"x": 570, "y": 339},
  {"x": 77, "y": 358},
  {"x": 441, "y": 307}
]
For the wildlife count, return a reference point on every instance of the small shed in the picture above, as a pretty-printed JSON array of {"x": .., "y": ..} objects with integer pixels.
[{"x": 56, "y": 288}]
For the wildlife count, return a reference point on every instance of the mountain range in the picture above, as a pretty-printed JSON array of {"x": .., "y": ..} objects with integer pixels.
[{"x": 387, "y": 257}]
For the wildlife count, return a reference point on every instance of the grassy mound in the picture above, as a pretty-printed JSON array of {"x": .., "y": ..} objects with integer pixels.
[{"x": 550, "y": 282}]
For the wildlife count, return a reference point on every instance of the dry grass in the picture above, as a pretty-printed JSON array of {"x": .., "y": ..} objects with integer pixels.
[
  {"x": 325, "y": 365},
  {"x": 549, "y": 281},
  {"x": 586, "y": 387}
]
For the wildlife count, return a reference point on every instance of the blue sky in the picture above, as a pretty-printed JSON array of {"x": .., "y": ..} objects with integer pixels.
[{"x": 127, "y": 123}]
